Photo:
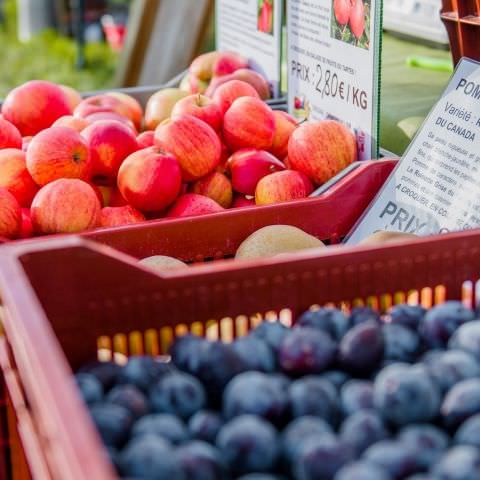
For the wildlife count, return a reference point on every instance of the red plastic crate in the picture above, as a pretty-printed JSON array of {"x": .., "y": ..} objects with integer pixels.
[{"x": 53, "y": 320}]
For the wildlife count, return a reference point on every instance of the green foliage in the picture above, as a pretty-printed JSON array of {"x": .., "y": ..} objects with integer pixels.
[{"x": 50, "y": 56}]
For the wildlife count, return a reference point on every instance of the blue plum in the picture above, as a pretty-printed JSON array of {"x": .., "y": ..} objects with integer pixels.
[
  {"x": 204, "y": 425},
  {"x": 165, "y": 425},
  {"x": 106, "y": 372},
  {"x": 337, "y": 377},
  {"x": 401, "y": 343},
  {"x": 200, "y": 461},
  {"x": 328, "y": 319},
  {"x": 259, "y": 476},
  {"x": 461, "y": 402},
  {"x": 356, "y": 395},
  {"x": 142, "y": 371},
  {"x": 185, "y": 352},
  {"x": 272, "y": 333},
  {"x": 113, "y": 422},
  {"x": 362, "y": 471},
  {"x": 458, "y": 463},
  {"x": 363, "y": 314},
  {"x": 406, "y": 315},
  {"x": 255, "y": 353},
  {"x": 90, "y": 387},
  {"x": 469, "y": 432},
  {"x": 467, "y": 338},
  {"x": 129, "y": 397}
]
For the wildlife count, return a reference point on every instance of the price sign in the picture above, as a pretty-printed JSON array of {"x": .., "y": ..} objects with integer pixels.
[
  {"x": 253, "y": 28},
  {"x": 334, "y": 64}
]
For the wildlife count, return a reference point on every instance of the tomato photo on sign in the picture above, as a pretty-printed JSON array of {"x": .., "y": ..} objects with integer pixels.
[
  {"x": 265, "y": 16},
  {"x": 350, "y": 22}
]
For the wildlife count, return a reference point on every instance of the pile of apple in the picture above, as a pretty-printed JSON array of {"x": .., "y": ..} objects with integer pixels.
[{"x": 69, "y": 164}]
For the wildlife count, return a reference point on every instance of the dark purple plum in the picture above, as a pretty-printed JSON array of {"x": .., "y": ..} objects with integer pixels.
[
  {"x": 396, "y": 458},
  {"x": 405, "y": 394},
  {"x": 90, "y": 388},
  {"x": 106, "y": 372},
  {"x": 298, "y": 431},
  {"x": 259, "y": 476},
  {"x": 142, "y": 371},
  {"x": 185, "y": 352},
  {"x": 321, "y": 457},
  {"x": 401, "y": 343},
  {"x": 440, "y": 322},
  {"x": 179, "y": 394},
  {"x": 406, "y": 315},
  {"x": 337, "y": 377},
  {"x": 363, "y": 314},
  {"x": 363, "y": 429},
  {"x": 428, "y": 441},
  {"x": 200, "y": 461},
  {"x": 469, "y": 432},
  {"x": 458, "y": 463},
  {"x": 113, "y": 422},
  {"x": 362, "y": 471},
  {"x": 306, "y": 350},
  {"x": 461, "y": 402},
  {"x": 164, "y": 425},
  {"x": 452, "y": 366},
  {"x": 313, "y": 395},
  {"x": 205, "y": 425},
  {"x": 248, "y": 444},
  {"x": 421, "y": 476},
  {"x": 255, "y": 393},
  {"x": 255, "y": 353},
  {"x": 272, "y": 333},
  {"x": 356, "y": 395},
  {"x": 328, "y": 319},
  {"x": 467, "y": 338},
  {"x": 361, "y": 349},
  {"x": 150, "y": 457},
  {"x": 129, "y": 397}
]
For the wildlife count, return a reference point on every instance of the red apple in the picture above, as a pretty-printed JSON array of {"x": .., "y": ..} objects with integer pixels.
[
  {"x": 245, "y": 75},
  {"x": 73, "y": 97},
  {"x": 160, "y": 106},
  {"x": 150, "y": 179},
  {"x": 282, "y": 187},
  {"x": 116, "y": 216},
  {"x": 146, "y": 139},
  {"x": 240, "y": 201},
  {"x": 10, "y": 215},
  {"x": 110, "y": 143},
  {"x": 97, "y": 191},
  {"x": 14, "y": 176},
  {"x": 227, "y": 93},
  {"x": 26, "y": 143},
  {"x": 65, "y": 206},
  {"x": 194, "y": 144},
  {"x": 133, "y": 109},
  {"x": 100, "y": 104},
  {"x": 9, "y": 135},
  {"x": 249, "y": 123},
  {"x": 26, "y": 230},
  {"x": 34, "y": 106},
  {"x": 321, "y": 149},
  {"x": 110, "y": 116},
  {"x": 247, "y": 166},
  {"x": 111, "y": 196},
  {"x": 70, "y": 121},
  {"x": 202, "y": 66},
  {"x": 58, "y": 152},
  {"x": 228, "y": 62},
  {"x": 285, "y": 124},
  {"x": 201, "y": 107},
  {"x": 342, "y": 9},
  {"x": 215, "y": 186},
  {"x": 191, "y": 204},
  {"x": 357, "y": 18},
  {"x": 195, "y": 85}
]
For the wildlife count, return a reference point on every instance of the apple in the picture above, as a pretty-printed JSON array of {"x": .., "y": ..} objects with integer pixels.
[
  {"x": 98, "y": 192},
  {"x": 66, "y": 205},
  {"x": 26, "y": 230},
  {"x": 282, "y": 187},
  {"x": 357, "y": 18},
  {"x": 191, "y": 204},
  {"x": 185, "y": 84},
  {"x": 321, "y": 149},
  {"x": 58, "y": 152},
  {"x": 194, "y": 144},
  {"x": 247, "y": 166},
  {"x": 146, "y": 139},
  {"x": 342, "y": 9},
  {"x": 110, "y": 143},
  {"x": 111, "y": 196},
  {"x": 160, "y": 106},
  {"x": 10, "y": 215},
  {"x": 255, "y": 80},
  {"x": 249, "y": 123},
  {"x": 225, "y": 155},
  {"x": 240, "y": 201},
  {"x": 26, "y": 143},
  {"x": 228, "y": 62},
  {"x": 202, "y": 66},
  {"x": 14, "y": 176},
  {"x": 227, "y": 93},
  {"x": 150, "y": 179},
  {"x": 134, "y": 110},
  {"x": 215, "y": 186},
  {"x": 201, "y": 107},
  {"x": 73, "y": 97},
  {"x": 100, "y": 104},
  {"x": 10, "y": 137},
  {"x": 70, "y": 121},
  {"x": 112, "y": 116},
  {"x": 117, "y": 216},
  {"x": 196, "y": 85},
  {"x": 285, "y": 124},
  {"x": 34, "y": 106}
]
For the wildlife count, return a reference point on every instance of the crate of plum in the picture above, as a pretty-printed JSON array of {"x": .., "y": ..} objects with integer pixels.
[
  {"x": 304, "y": 367},
  {"x": 70, "y": 164}
]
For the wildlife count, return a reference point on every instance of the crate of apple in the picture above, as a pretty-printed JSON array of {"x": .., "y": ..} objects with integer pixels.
[
  {"x": 355, "y": 396},
  {"x": 69, "y": 164}
]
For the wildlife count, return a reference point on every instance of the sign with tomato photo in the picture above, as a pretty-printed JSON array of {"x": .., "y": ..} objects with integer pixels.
[{"x": 350, "y": 22}]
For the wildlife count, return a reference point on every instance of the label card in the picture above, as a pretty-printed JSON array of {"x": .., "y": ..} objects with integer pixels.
[
  {"x": 253, "y": 28},
  {"x": 435, "y": 188},
  {"x": 334, "y": 65}
]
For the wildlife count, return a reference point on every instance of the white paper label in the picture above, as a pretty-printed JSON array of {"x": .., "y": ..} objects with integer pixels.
[
  {"x": 253, "y": 28},
  {"x": 436, "y": 186},
  {"x": 334, "y": 64}
]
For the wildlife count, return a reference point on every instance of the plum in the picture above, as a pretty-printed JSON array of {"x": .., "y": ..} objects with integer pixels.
[
  {"x": 272, "y": 333},
  {"x": 306, "y": 350},
  {"x": 458, "y": 463},
  {"x": 248, "y": 444},
  {"x": 255, "y": 353},
  {"x": 406, "y": 315},
  {"x": 90, "y": 388},
  {"x": 356, "y": 395},
  {"x": 362, "y": 471},
  {"x": 329, "y": 320},
  {"x": 205, "y": 425},
  {"x": 164, "y": 425},
  {"x": 461, "y": 402},
  {"x": 142, "y": 371},
  {"x": 200, "y": 461},
  {"x": 185, "y": 352},
  {"x": 469, "y": 432},
  {"x": 467, "y": 338},
  {"x": 106, "y": 372},
  {"x": 363, "y": 314},
  {"x": 129, "y": 397},
  {"x": 337, "y": 377},
  {"x": 401, "y": 343},
  {"x": 113, "y": 422},
  {"x": 179, "y": 393}
]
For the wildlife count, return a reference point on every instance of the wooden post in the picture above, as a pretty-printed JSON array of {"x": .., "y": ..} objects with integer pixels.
[{"x": 163, "y": 38}]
